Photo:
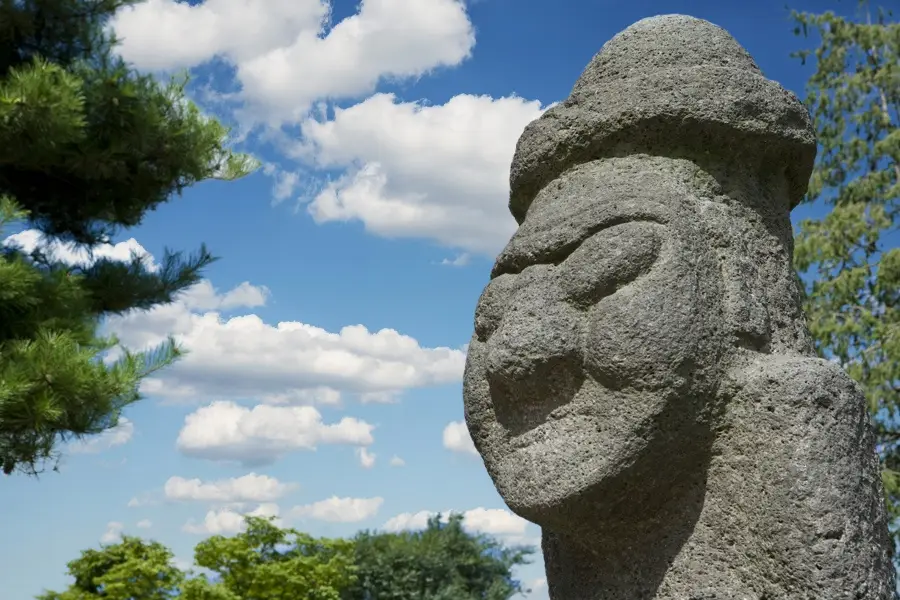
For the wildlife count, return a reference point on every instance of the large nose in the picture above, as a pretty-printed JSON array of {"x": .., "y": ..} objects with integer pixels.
[{"x": 534, "y": 363}]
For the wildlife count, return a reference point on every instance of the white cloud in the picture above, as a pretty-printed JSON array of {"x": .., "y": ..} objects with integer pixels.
[
  {"x": 248, "y": 488},
  {"x": 145, "y": 329},
  {"x": 227, "y": 520},
  {"x": 243, "y": 357},
  {"x": 408, "y": 521},
  {"x": 183, "y": 563},
  {"x": 204, "y": 297},
  {"x": 383, "y": 397},
  {"x": 495, "y": 521},
  {"x": 366, "y": 458},
  {"x": 491, "y": 521},
  {"x": 286, "y": 182},
  {"x": 227, "y": 431},
  {"x": 340, "y": 510},
  {"x": 460, "y": 260},
  {"x": 116, "y": 436},
  {"x": 396, "y": 461},
  {"x": 166, "y": 34},
  {"x": 113, "y": 533},
  {"x": 74, "y": 254},
  {"x": 457, "y": 438},
  {"x": 144, "y": 524},
  {"x": 290, "y": 362},
  {"x": 322, "y": 395},
  {"x": 285, "y": 58},
  {"x": 436, "y": 172},
  {"x": 137, "y": 501}
]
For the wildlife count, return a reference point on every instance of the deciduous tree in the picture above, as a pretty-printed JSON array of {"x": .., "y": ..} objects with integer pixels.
[
  {"x": 441, "y": 562},
  {"x": 268, "y": 562},
  {"x": 850, "y": 259},
  {"x": 265, "y": 562}
]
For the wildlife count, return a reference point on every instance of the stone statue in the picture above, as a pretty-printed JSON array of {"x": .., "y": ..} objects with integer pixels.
[{"x": 641, "y": 382}]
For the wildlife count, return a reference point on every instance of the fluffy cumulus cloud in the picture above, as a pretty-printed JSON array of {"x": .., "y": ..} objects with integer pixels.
[
  {"x": 144, "y": 524},
  {"x": 339, "y": 510},
  {"x": 491, "y": 521},
  {"x": 75, "y": 254},
  {"x": 115, "y": 436},
  {"x": 460, "y": 260},
  {"x": 248, "y": 488},
  {"x": 227, "y": 520},
  {"x": 282, "y": 366},
  {"x": 366, "y": 458},
  {"x": 242, "y": 357},
  {"x": 229, "y": 432},
  {"x": 457, "y": 439},
  {"x": 407, "y": 169},
  {"x": 287, "y": 56},
  {"x": 204, "y": 297},
  {"x": 413, "y": 170},
  {"x": 285, "y": 182},
  {"x": 113, "y": 532}
]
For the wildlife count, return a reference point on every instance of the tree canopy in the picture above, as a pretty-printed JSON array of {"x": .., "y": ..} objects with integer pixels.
[
  {"x": 441, "y": 562},
  {"x": 268, "y": 562},
  {"x": 850, "y": 258},
  {"x": 87, "y": 147}
]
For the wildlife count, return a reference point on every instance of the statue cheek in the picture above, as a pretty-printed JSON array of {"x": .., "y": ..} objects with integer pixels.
[{"x": 643, "y": 336}]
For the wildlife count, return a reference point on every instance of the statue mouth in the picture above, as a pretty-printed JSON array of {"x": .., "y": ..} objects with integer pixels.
[
  {"x": 546, "y": 430},
  {"x": 525, "y": 403}
]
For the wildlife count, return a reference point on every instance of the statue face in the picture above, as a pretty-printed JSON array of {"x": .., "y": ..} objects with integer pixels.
[{"x": 599, "y": 323}]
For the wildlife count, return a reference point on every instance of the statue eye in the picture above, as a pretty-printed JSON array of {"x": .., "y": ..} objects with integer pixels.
[
  {"x": 608, "y": 260},
  {"x": 493, "y": 304}
]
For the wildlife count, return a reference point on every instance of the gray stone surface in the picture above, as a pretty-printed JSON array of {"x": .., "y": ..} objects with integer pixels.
[{"x": 641, "y": 382}]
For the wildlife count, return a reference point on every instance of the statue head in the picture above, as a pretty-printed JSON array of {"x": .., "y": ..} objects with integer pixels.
[{"x": 653, "y": 247}]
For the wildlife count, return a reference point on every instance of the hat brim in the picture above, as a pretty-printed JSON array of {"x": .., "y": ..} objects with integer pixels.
[{"x": 701, "y": 110}]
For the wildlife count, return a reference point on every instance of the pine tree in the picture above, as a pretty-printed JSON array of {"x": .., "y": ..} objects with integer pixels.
[
  {"x": 850, "y": 257},
  {"x": 87, "y": 146}
]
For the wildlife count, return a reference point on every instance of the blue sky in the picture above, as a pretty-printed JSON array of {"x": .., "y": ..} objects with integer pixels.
[{"x": 327, "y": 346}]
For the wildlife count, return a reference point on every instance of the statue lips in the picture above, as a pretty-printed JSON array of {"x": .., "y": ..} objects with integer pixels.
[
  {"x": 521, "y": 410},
  {"x": 534, "y": 365},
  {"x": 560, "y": 420}
]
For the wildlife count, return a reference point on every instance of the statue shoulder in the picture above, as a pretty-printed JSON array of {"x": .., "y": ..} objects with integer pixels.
[{"x": 802, "y": 381}]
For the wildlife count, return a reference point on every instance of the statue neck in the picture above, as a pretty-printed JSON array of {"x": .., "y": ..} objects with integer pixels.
[{"x": 789, "y": 505}]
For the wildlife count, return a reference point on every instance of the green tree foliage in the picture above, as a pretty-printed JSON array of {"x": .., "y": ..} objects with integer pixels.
[
  {"x": 267, "y": 562},
  {"x": 262, "y": 563},
  {"x": 128, "y": 570},
  {"x": 851, "y": 257},
  {"x": 443, "y": 562},
  {"x": 87, "y": 147},
  {"x": 270, "y": 563}
]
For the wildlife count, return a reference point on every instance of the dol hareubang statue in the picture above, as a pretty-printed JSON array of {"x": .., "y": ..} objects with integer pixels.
[{"x": 641, "y": 382}]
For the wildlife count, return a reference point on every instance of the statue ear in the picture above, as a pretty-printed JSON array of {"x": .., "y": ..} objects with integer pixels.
[{"x": 745, "y": 304}]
